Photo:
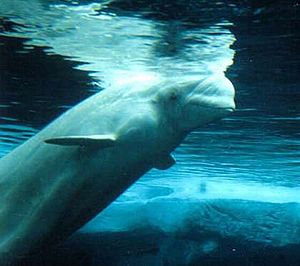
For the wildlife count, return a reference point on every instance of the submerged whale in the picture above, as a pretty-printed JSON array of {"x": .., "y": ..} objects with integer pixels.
[{"x": 71, "y": 170}]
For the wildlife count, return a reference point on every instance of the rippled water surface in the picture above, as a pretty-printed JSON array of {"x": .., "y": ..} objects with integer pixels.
[{"x": 54, "y": 54}]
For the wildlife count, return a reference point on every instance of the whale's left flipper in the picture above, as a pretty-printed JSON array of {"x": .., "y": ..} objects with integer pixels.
[
  {"x": 102, "y": 141},
  {"x": 165, "y": 162}
]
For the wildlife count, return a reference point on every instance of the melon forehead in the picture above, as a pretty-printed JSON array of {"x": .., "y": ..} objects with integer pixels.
[
  {"x": 215, "y": 91},
  {"x": 178, "y": 87}
]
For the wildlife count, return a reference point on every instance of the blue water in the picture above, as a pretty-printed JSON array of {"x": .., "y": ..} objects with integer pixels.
[{"x": 233, "y": 196}]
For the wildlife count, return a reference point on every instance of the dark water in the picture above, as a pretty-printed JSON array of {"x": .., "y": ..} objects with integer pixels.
[{"x": 233, "y": 196}]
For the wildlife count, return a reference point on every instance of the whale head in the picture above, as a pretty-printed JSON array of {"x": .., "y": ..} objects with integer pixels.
[{"x": 191, "y": 103}]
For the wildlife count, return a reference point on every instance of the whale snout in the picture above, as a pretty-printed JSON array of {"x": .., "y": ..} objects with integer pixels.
[
  {"x": 215, "y": 92},
  {"x": 211, "y": 99}
]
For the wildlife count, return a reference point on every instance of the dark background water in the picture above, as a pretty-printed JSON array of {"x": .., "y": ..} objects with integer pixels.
[{"x": 255, "y": 153}]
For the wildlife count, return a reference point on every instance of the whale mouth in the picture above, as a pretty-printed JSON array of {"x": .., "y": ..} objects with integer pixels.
[
  {"x": 230, "y": 108},
  {"x": 213, "y": 102}
]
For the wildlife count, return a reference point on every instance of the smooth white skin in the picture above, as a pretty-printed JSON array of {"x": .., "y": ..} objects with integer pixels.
[{"x": 48, "y": 191}]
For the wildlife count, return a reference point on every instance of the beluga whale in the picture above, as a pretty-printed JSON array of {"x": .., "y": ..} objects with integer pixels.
[{"x": 76, "y": 166}]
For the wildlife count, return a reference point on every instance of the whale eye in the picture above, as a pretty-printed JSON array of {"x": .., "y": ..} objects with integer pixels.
[{"x": 173, "y": 96}]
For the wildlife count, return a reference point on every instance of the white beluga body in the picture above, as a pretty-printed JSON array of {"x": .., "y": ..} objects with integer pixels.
[{"x": 66, "y": 174}]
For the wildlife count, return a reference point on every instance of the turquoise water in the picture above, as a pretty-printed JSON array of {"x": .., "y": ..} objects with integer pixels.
[{"x": 234, "y": 192}]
